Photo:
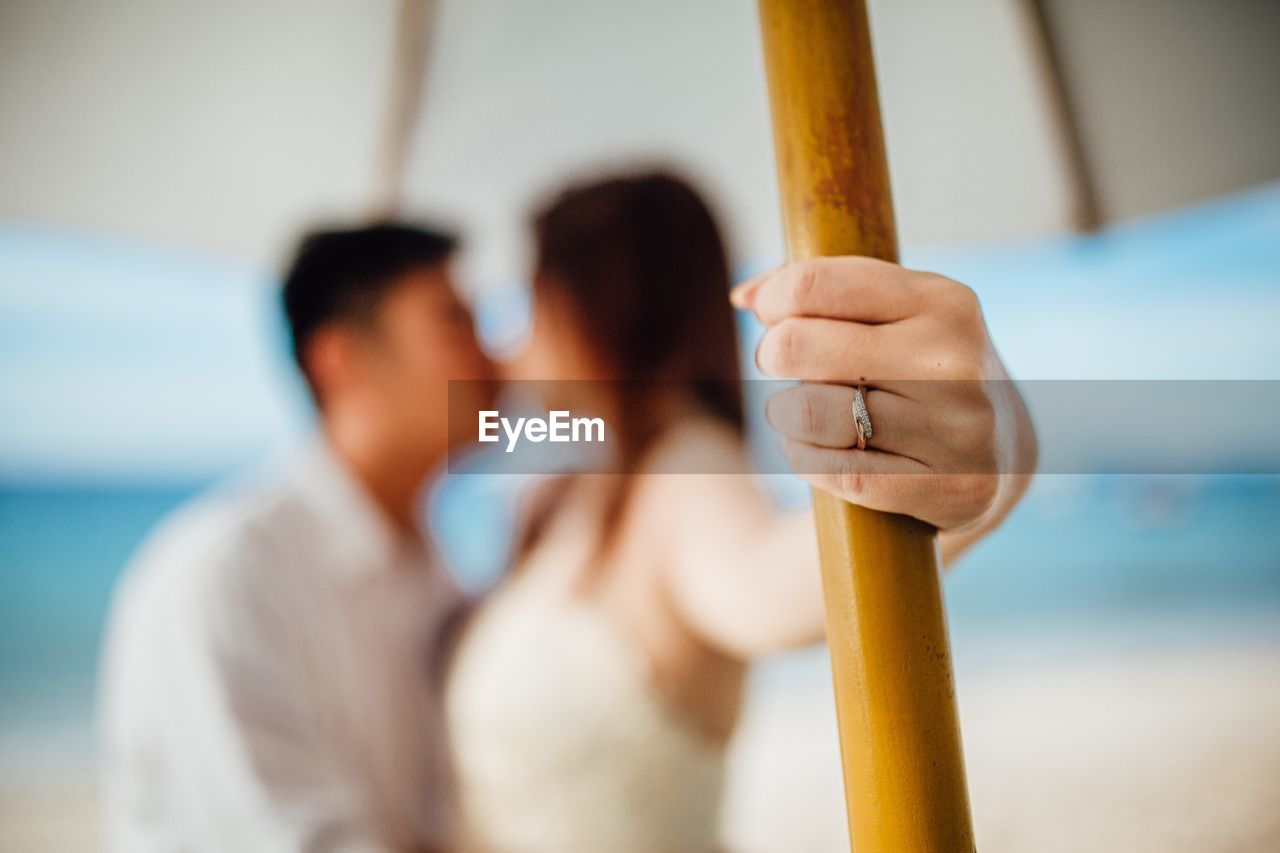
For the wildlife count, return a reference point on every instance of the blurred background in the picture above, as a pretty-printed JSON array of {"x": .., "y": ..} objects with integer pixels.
[{"x": 1106, "y": 175}]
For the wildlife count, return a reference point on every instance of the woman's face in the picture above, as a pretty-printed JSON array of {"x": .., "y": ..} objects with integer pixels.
[{"x": 558, "y": 352}]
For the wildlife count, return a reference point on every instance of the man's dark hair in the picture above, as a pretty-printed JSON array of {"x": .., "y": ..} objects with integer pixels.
[{"x": 341, "y": 275}]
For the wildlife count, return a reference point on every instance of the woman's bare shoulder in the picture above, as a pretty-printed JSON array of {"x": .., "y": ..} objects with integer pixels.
[
  {"x": 700, "y": 445},
  {"x": 701, "y": 473}
]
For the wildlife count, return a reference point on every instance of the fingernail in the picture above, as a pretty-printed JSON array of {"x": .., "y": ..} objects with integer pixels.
[{"x": 738, "y": 296}]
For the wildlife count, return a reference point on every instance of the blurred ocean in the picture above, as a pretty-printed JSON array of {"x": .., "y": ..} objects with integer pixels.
[
  {"x": 61, "y": 549},
  {"x": 1157, "y": 561}
]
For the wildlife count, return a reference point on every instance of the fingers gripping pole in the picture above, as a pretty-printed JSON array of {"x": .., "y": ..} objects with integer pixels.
[{"x": 895, "y": 700}]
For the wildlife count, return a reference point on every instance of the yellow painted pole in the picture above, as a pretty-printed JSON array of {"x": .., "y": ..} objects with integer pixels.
[{"x": 886, "y": 629}]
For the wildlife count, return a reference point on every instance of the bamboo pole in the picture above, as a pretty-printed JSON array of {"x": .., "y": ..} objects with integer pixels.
[{"x": 886, "y": 630}]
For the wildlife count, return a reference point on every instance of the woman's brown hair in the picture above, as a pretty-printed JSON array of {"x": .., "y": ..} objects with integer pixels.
[{"x": 639, "y": 262}]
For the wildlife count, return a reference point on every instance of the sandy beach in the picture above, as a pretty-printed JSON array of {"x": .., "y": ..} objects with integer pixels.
[
  {"x": 1175, "y": 752},
  {"x": 50, "y": 816}
]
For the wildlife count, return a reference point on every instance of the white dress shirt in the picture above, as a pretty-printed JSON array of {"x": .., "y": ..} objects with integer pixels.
[{"x": 272, "y": 677}]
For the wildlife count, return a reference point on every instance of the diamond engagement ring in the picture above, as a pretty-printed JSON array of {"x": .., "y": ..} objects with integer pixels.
[{"x": 861, "y": 417}]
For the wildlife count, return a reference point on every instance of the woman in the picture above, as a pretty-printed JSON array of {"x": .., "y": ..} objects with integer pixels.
[{"x": 593, "y": 696}]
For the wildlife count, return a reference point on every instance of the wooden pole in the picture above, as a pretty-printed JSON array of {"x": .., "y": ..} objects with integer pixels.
[{"x": 886, "y": 628}]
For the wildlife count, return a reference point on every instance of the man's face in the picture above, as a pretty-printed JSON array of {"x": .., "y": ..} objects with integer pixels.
[{"x": 422, "y": 337}]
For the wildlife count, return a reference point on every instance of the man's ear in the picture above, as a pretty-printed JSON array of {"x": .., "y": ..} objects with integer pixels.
[{"x": 332, "y": 360}]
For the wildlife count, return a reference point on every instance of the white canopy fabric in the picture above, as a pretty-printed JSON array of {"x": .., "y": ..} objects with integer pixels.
[
  {"x": 222, "y": 126},
  {"x": 526, "y": 93},
  {"x": 228, "y": 126}
]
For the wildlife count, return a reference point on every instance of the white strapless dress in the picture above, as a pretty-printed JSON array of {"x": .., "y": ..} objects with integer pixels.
[{"x": 561, "y": 742}]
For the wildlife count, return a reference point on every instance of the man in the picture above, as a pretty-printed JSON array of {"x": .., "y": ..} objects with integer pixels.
[{"x": 273, "y": 666}]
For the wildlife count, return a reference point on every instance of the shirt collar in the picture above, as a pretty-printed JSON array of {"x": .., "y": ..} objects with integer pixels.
[{"x": 360, "y": 539}]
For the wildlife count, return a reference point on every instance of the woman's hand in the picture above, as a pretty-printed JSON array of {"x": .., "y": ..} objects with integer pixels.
[{"x": 952, "y": 443}]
